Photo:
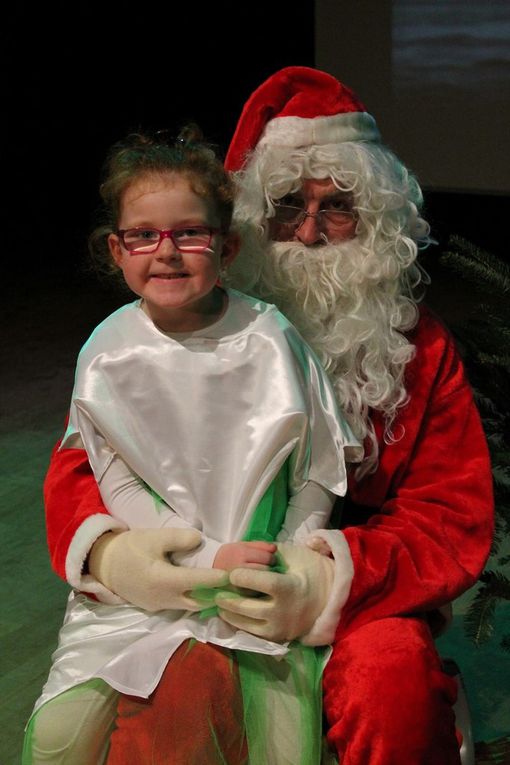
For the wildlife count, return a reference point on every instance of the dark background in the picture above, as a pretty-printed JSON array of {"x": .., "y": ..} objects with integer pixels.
[{"x": 81, "y": 75}]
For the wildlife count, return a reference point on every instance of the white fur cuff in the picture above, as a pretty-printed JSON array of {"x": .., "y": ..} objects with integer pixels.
[
  {"x": 324, "y": 629},
  {"x": 81, "y": 544}
]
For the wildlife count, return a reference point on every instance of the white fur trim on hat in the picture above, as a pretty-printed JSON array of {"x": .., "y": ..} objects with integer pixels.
[{"x": 300, "y": 131}]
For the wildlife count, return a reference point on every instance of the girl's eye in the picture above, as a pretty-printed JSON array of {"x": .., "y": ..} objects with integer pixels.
[
  {"x": 149, "y": 234},
  {"x": 197, "y": 237},
  {"x": 182, "y": 233}
]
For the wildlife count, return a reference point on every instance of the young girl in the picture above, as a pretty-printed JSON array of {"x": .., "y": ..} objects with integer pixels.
[{"x": 199, "y": 408}]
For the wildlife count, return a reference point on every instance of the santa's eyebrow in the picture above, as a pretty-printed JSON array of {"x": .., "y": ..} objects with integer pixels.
[
  {"x": 338, "y": 194},
  {"x": 298, "y": 195}
]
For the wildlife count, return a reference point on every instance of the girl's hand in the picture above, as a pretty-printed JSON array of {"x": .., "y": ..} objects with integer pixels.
[{"x": 245, "y": 555}]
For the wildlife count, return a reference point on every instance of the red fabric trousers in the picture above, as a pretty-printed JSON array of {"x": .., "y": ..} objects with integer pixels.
[
  {"x": 194, "y": 717},
  {"x": 387, "y": 702},
  {"x": 386, "y": 698}
]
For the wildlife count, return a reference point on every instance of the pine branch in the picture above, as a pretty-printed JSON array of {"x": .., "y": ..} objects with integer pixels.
[
  {"x": 503, "y": 517},
  {"x": 493, "y": 359},
  {"x": 483, "y": 339},
  {"x": 479, "y": 618},
  {"x": 495, "y": 438},
  {"x": 496, "y": 583},
  {"x": 483, "y": 343},
  {"x": 501, "y": 475},
  {"x": 485, "y": 270},
  {"x": 493, "y": 752}
]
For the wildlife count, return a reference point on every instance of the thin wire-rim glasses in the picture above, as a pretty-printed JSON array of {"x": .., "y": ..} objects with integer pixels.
[{"x": 290, "y": 215}]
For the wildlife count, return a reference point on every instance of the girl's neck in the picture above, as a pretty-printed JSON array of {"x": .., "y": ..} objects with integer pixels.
[{"x": 191, "y": 321}]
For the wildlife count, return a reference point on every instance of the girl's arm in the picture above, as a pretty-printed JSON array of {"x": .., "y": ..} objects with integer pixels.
[
  {"x": 307, "y": 511},
  {"x": 131, "y": 501},
  {"x": 78, "y": 522}
]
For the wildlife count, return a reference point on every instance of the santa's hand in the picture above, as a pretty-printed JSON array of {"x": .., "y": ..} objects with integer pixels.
[
  {"x": 136, "y": 565},
  {"x": 288, "y": 604}
]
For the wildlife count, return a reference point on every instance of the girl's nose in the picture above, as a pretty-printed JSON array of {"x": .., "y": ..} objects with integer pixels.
[{"x": 167, "y": 249}]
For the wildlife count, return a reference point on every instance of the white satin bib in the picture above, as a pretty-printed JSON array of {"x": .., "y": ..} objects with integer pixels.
[{"x": 206, "y": 420}]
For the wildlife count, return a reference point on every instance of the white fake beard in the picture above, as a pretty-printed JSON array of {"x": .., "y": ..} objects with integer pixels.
[{"x": 346, "y": 301}]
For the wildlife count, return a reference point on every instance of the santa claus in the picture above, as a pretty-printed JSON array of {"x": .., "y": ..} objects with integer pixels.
[{"x": 332, "y": 220}]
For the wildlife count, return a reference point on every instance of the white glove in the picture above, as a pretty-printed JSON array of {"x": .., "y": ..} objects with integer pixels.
[
  {"x": 290, "y": 602},
  {"x": 136, "y": 565}
]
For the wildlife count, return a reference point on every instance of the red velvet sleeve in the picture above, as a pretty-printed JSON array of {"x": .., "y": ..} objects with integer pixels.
[
  {"x": 71, "y": 496},
  {"x": 431, "y": 530}
]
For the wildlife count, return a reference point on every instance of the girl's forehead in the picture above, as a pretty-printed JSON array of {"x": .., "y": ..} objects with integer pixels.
[
  {"x": 174, "y": 187},
  {"x": 154, "y": 194},
  {"x": 154, "y": 182}
]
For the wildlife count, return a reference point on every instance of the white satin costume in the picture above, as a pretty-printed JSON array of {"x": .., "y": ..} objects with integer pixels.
[{"x": 205, "y": 420}]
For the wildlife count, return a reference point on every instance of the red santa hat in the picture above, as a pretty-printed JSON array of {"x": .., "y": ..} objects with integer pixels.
[{"x": 299, "y": 106}]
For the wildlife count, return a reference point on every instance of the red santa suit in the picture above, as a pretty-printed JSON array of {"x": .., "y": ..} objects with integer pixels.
[
  {"x": 426, "y": 527},
  {"x": 419, "y": 528}
]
